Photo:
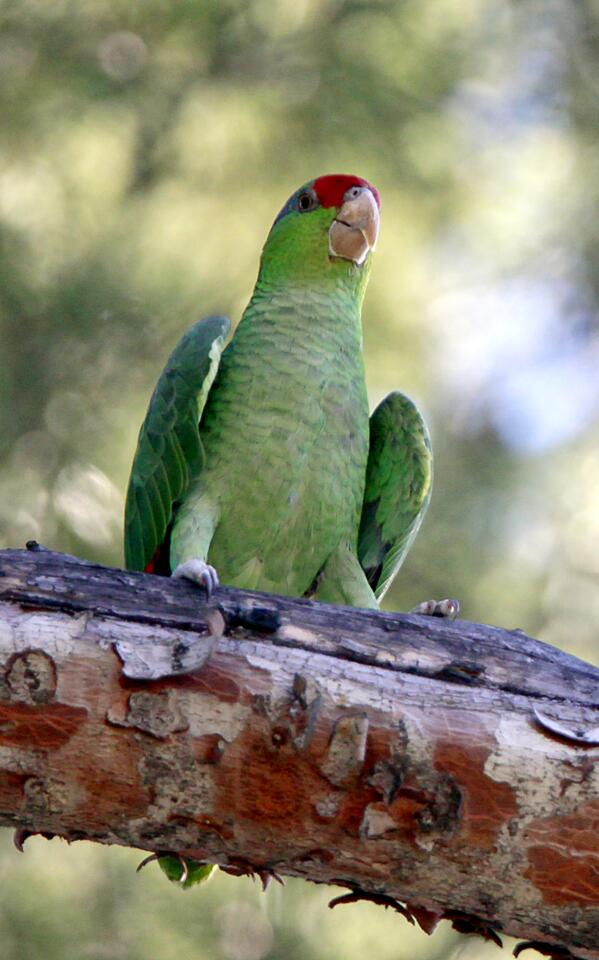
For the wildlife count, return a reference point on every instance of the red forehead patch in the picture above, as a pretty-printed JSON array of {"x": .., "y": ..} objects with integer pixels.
[{"x": 331, "y": 189}]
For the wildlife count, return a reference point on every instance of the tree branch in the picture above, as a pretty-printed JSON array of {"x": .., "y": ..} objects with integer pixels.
[{"x": 449, "y": 766}]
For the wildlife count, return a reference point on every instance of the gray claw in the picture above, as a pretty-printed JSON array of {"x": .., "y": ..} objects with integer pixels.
[
  {"x": 448, "y": 609},
  {"x": 425, "y": 609},
  {"x": 198, "y": 571}
]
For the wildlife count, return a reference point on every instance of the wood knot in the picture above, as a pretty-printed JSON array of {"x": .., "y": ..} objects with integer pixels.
[{"x": 30, "y": 677}]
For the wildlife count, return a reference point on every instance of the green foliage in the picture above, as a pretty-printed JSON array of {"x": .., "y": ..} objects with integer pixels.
[
  {"x": 186, "y": 873},
  {"x": 146, "y": 150}
]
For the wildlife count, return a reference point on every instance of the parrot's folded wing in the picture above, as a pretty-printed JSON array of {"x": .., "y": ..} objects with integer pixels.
[
  {"x": 169, "y": 451},
  {"x": 398, "y": 486}
]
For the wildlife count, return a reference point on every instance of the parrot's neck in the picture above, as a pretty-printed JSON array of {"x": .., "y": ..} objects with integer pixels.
[
  {"x": 294, "y": 313},
  {"x": 296, "y": 260}
]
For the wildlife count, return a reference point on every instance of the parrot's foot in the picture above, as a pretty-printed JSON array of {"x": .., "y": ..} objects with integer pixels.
[
  {"x": 198, "y": 571},
  {"x": 448, "y": 609}
]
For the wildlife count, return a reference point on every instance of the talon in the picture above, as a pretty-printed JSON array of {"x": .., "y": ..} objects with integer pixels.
[
  {"x": 198, "y": 571},
  {"x": 425, "y": 609},
  {"x": 448, "y": 609}
]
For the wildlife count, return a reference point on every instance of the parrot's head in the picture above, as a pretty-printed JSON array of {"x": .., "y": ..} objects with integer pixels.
[{"x": 325, "y": 232}]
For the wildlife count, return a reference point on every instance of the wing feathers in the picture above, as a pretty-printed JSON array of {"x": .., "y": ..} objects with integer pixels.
[
  {"x": 169, "y": 452},
  {"x": 398, "y": 486}
]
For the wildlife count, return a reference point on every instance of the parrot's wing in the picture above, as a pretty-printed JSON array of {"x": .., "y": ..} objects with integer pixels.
[
  {"x": 169, "y": 451},
  {"x": 398, "y": 486}
]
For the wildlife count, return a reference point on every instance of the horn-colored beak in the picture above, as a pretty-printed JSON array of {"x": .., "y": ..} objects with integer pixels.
[{"x": 353, "y": 233}]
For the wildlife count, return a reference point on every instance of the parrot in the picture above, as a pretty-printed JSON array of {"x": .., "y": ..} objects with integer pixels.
[{"x": 257, "y": 463}]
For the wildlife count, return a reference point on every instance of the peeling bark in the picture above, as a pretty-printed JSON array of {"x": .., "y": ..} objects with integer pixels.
[{"x": 450, "y": 766}]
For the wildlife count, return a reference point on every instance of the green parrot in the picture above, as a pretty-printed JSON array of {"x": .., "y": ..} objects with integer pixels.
[
  {"x": 260, "y": 461},
  {"x": 258, "y": 464}
]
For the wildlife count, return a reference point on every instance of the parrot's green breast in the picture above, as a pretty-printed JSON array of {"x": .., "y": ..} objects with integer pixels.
[{"x": 285, "y": 435}]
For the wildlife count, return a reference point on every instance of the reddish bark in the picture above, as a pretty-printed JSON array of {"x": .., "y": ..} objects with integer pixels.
[{"x": 338, "y": 745}]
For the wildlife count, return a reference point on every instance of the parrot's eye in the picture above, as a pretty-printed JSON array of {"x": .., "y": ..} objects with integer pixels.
[
  {"x": 352, "y": 193},
  {"x": 305, "y": 201}
]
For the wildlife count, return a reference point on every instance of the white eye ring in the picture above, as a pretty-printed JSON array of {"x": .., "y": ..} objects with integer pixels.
[
  {"x": 353, "y": 192},
  {"x": 306, "y": 202}
]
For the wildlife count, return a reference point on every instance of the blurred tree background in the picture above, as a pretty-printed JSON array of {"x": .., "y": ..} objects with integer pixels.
[{"x": 146, "y": 148}]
